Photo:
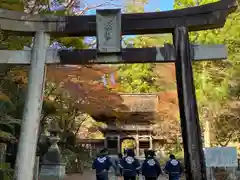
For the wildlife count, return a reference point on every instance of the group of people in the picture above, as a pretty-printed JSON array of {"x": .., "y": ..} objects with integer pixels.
[{"x": 129, "y": 167}]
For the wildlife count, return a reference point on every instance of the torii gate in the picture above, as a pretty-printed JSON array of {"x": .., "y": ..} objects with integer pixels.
[{"x": 107, "y": 26}]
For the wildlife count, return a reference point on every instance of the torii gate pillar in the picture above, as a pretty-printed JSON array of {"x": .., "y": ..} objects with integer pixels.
[
  {"x": 33, "y": 107},
  {"x": 191, "y": 132}
]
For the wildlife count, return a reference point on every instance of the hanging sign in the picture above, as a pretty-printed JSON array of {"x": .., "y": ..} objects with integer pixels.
[{"x": 108, "y": 31}]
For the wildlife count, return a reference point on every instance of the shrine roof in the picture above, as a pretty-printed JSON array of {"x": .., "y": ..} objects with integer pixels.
[
  {"x": 140, "y": 102},
  {"x": 137, "y": 107}
]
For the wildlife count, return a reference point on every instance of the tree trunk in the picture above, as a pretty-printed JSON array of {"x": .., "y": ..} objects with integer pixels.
[
  {"x": 207, "y": 136},
  {"x": 3, "y": 149}
]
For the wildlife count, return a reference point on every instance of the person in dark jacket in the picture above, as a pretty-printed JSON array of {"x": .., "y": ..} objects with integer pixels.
[
  {"x": 151, "y": 168},
  {"x": 145, "y": 153},
  {"x": 124, "y": 152},
  {"x": 118, "y": 170},
  {"x": 130, "y": 165},
  {"x": 173, "y": 168},
  {"x": 102, "y": 165}
]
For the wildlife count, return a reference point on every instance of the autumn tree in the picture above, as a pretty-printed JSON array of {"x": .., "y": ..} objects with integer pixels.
[{"x": 17, "y": 75}]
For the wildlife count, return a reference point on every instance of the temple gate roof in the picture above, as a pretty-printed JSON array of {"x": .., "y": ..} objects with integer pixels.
[{"x": 140, "y": 102}]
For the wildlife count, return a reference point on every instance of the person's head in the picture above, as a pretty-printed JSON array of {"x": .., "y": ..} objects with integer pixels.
[
  {"x": 151, "y": 153},
  {"x": 130, "y": 152},
  {"x": 104, "y": 151},
  {"x": 120, "y": 156},
  {"x": 172, "y": 156}
]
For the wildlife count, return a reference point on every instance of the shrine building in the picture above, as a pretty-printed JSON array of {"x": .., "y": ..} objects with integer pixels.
[{"x": 136, "y": 121}]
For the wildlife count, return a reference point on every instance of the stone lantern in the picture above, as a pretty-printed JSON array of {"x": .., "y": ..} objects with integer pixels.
[
  {"x": 52, "y": 168},
  {"x": 5, "y": 138}
]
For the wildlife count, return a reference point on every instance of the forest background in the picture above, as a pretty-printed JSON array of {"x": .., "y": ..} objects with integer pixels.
[{"x": 217, "y": 83}]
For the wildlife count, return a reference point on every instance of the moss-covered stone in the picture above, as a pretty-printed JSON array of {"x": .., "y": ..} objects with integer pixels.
[
  {"x": 6, "y": 174},
  {"x": 4, "y": 165}
]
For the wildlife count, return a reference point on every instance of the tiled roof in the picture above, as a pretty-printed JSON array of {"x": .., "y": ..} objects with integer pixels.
[{"x": 140, "y": 102}]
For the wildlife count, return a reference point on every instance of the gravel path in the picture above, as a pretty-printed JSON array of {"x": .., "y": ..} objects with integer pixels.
[{"x": 89, "y": 175}]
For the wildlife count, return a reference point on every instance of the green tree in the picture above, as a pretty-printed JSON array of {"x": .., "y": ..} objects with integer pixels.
[
  {"x": 137, "y": 78},
  {"x": 142, "y": 78},
  {"x": 135, "y": 6},
  {"x": 213, "y": 79}
]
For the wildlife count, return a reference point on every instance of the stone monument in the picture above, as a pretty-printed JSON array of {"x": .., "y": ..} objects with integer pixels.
[{"x": 52, "y": 168}]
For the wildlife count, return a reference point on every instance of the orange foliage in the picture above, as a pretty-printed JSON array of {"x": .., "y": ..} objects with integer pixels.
[
  {"x": 168, "y": 105},
  {"x": 168, "y": 114},
  {"x": 84, "y": 73},
  {"x": 166, "y": 71},
  {"x": 84, "y": 84},
  {"x": 94, "y": 98}
]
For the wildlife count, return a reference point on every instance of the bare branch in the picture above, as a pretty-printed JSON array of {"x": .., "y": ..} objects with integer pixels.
[{"x": 87, "y": 8}]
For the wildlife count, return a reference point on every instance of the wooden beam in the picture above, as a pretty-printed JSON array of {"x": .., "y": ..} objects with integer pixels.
[
  {"x": 24, "y": 57},
  {"x": 190, "y": 127},
  {"x": 128, "y": 127},
  {"x": 197, "y": 18},
  {"x": 129, "y": 55}
]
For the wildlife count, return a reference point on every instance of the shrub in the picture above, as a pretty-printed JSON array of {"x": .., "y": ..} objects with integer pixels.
[
  {"x": 69, "y": 158},
  {"x": 73, "y": 166},
  {"x": 5, "y": 172}
]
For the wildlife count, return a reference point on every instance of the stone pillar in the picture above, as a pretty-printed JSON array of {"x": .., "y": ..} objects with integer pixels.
[
  {"x": 36, "y": 169},
  {"x": 32, "y": 109}
]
